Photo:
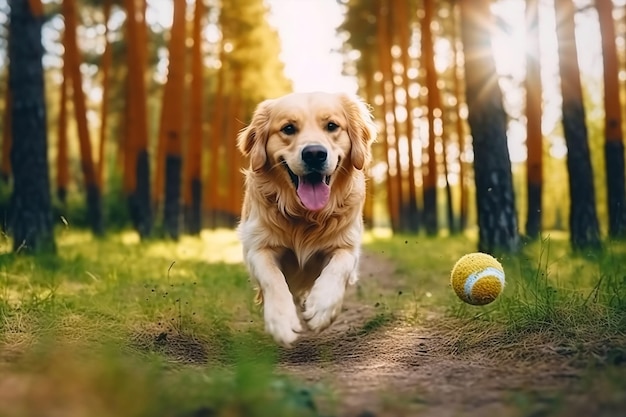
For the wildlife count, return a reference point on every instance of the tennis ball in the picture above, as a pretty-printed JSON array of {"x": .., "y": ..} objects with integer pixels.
[{"x": 477, "y": 278}]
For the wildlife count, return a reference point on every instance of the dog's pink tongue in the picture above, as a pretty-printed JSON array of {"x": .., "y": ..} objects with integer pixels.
[{"x": 313, "y": 196}]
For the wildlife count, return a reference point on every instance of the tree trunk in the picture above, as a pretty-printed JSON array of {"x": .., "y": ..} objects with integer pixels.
[
  {"x": 235, "y": 160},
  {"x": 31, "y": 206},
  {"x": 402, "y": 20},
  {"x": 5, "y": 165},
  {"x": 368, "y": 207},
  {"x": 584, "y": 228},
  {"x": 136, "y": 158},
  {"x": 172, "y": 128},
  {"x": 212, "y": 193},
  {"x": 448, "y": 186},
  {"x": 460, "y": 130},
  {"x": 534, "y": 163},
  {"x": 394, "y": 176},
  {"x": 430, "y": 173},
  {"x": 393, "y": 103},
  {"x": 614, "y": 140},
  {"x": 192, "y": 194},
  {"x": 497, "y": 218},
  {"x": 63, "y": 174},
  {"x": 107, "y": 58},
  {"x": 171, "y": 209},
  {"x": 72, "y": 57}
]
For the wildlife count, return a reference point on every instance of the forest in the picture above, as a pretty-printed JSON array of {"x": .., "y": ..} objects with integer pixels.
[
  {"x": 123, "y": 114},
  {"x": 123, "y": 284}
]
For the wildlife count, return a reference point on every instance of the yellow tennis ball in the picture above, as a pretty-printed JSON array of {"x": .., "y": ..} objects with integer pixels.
[{"x": 477, "y": 278}]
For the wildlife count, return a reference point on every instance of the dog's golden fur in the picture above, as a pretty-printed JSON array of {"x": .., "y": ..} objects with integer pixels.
[{"x": 303, "y": 258}]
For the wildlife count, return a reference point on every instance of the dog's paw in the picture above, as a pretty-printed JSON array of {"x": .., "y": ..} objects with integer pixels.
[
  {"x": 323, "y": 305},
  {"x": 282, "y": 322}
]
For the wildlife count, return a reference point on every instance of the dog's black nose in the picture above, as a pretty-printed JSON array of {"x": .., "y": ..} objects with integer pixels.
[{"x": 314, "y": 156}]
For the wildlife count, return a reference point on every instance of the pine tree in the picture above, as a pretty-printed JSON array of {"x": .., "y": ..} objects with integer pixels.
[{"x": 31, "y": 206}]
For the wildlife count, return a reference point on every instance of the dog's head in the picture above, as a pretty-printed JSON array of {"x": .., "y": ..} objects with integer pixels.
[{"x": 311, "y": 139}]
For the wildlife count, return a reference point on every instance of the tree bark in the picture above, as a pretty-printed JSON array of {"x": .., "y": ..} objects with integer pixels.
[
  {"x": 72, "y": 57},
  {"x": 107, "y": 58},
  {"x": 172, "y": 128},
  {"x": 63, "y": 174},
  {"x": 136, "y": 158},
  {"x": 368, "y": 207},
  {"x": 394, "y": 176},
  {"x": 497, "y": 218},
  {"x": 212, "y": 191},
  {"x": 459, "y": 127},
  {"x": 401, "y": 17},
  {"x": 31, "y": 206},
  {"x": 235, "y": 161},
  {"x": 583, "y": 221},
  {"x": 192, "y": 193},
  {"x": 5, "y": 166},
  {"x": 534, "y": 163},
  {"x": 430, "y": 173},
  {"x": 614, "y": 139}
]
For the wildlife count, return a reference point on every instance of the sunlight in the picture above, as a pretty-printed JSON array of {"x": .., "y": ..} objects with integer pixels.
[
  {"x": 509, "y": 48},
  {"x": 213, "y": 246},
  {"x": 310, "y": 45}
]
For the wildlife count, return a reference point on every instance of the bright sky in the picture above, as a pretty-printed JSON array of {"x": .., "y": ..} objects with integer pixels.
[{"x": 307, "y": 31}]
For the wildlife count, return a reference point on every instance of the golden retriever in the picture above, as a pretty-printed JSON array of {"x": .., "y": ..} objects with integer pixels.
[{"x": 301, "y": 221}]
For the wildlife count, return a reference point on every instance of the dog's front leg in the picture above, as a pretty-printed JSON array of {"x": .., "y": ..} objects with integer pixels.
[
  {"x": 326, "y": 297},
  {"x": 279, "y": 310}
]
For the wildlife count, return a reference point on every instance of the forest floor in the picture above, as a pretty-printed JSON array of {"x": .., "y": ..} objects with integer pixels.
[
  {"x": 116, "y": 328},
  {"x": 408, "y": 369}
]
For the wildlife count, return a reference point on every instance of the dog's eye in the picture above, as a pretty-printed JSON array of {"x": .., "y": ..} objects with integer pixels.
[
  {"x": 331, "y": 126},
  {"x": 288, "y": 129}
]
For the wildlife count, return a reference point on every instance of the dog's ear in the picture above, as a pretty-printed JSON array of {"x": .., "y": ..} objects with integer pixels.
[
  {"x": 252, "y": 139},
  {"x": 361, "y": 129}
]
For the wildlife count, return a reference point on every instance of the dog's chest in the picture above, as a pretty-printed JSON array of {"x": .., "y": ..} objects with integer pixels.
[{"x": 301, "y": 276}]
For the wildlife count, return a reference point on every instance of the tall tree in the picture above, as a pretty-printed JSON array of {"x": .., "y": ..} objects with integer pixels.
[
  {"x": 63, "y": 173},
  {"x": 497, "y": 218},
  {"x": 534, "y": 163},
  {"x": 136, "y": 159},
  {"x": 359, "y": 29},
  {"x": 251, "y": 50},
  {"x": 235, "y": 180},
  {"x": 392, "y": 99},
  {"x": 430, "y": 171},
  {"x": 192, "y": 193},
  {"x": 614, "y": 139},
  {"x": 5, "y": 162},
  {"x": 459, "y": 124},
  {"x": 402, "y": 19},
  {"x": 31, "y": 206},
  {"x": 73, "y": 59},
  {"x": 393, "y": 130},
  {"x": 394, "y": 175},
  {"x": 583, "y": 221},
  {"x": 370, "y": 192},
  {"x": 215, "y": 142},
  {"x": 105, "y": 67},
  {"x": 172, "y": 122}
]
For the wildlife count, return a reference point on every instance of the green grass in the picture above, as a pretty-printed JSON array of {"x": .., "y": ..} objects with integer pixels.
[
  {"x": 558, "y": 309},
  {"x": 115, "y": 327},
  {"x": 575, "y": 302}
]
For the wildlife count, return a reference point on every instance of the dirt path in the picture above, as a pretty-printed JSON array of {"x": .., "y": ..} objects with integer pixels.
[{"x": 403, "y": 370}]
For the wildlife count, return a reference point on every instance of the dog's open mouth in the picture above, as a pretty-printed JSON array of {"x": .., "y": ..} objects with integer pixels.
[{"x": 313, "y": 189}]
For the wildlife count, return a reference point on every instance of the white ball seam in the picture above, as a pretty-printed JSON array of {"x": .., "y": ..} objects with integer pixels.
[{"x": 473, "y": 279}]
